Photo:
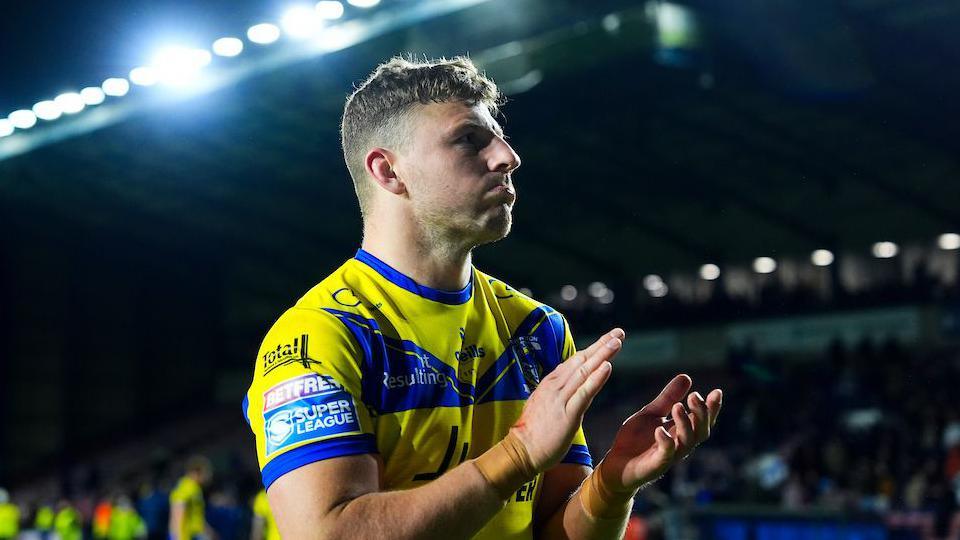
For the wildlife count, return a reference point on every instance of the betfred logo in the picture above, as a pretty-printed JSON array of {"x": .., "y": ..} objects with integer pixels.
[{"x": 299, "y": 388}]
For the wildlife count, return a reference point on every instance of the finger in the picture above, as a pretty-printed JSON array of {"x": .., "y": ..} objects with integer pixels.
[
  {"x": 666, "y": 445},
  {"x": 714, "y": 403},
  {"x": 578, "y": 402},
  {"x": 671, "y": 393},
  {"x": 700, "y": 416},
  {"x": 684, "y": 427},
  {"x": 617, "y": 333},
  {"x": 562, "y": 373},
  {"x": 600, "y": 356}
]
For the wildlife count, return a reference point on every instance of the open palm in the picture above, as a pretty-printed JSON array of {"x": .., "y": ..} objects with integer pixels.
[{"x": 648, "y": 442}]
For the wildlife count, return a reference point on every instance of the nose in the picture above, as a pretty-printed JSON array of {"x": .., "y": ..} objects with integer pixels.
[{"x": 503, "y": 158}]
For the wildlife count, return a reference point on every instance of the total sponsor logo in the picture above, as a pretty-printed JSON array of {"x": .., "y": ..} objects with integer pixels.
[
  {"x": 301, "y": 387},
  {"x": 286, "y": 353}
]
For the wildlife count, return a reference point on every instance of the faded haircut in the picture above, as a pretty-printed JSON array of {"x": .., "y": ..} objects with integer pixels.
[{"x": 378, "y": 112}]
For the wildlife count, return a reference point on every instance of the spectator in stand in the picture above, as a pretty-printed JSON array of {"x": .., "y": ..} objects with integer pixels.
[
  {"x": 154, "y": 505},
  {"x": 187, "y": 508},
  {"x": 125, "y": 523},
  {"x": 9, "y": 517},
  {"x": 67, "y": 523},
  {"x": 263, "y": 526}
]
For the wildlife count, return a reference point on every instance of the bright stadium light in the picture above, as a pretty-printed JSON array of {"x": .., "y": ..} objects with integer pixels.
[
  {"x": 23, "y": 119},
  {"x": 568, "y": 293},
  {"x": 660, "y": 291},
  {"x": 227, "y": 46},
  {"x": 6, "y": 127},
  {"x": 363, "y": 3},
  {"x": 70, "y": 102},
  {"x": 143, "y": 76},
  {"x": 822, "y": 257},
  {"x": 178, "y": 66},
  {"x": 764, "y": 265},
  {"x": 47, "y": 110},
  {"x": 329, "y": 9},
  {"x": 949, "y": 241},
  {"x": 301, "y": 22},
  {"x": 115, "y": 87},
  {"x": 652, "y": 282},
  {"x": 606, "y": 298},
  {"x": 596, "y": 289},
  {"x": 885, "y": 250},
  {"x": 92, "y": 95},
  {"x": 709, "y": 272},
  {"x": 263, "y": 33}
]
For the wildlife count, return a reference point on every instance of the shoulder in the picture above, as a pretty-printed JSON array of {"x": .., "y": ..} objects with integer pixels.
[{"x": 521, "y": 311}]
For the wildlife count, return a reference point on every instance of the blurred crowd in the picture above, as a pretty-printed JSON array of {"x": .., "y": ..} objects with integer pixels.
[{"x": 871, "y": 432}]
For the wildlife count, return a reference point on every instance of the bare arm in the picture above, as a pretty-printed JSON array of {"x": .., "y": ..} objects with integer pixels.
[
  {"x": 341, "y": 497},
  {"x": 176, "y": 520}
]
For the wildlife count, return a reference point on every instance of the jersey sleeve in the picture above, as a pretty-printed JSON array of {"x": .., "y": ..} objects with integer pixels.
[
  {"x": 578, "y": 453},
  {"x": 304, "y": 404}
]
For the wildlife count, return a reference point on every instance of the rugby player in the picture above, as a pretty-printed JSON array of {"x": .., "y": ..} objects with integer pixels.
[{"x": 410, "y": 395}]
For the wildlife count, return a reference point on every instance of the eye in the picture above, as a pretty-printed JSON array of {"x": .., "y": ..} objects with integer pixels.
[{"x": 470, "y": 139}]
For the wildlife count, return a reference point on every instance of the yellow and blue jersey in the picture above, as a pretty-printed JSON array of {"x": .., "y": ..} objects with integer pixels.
[{"x": 371, "y": 362}]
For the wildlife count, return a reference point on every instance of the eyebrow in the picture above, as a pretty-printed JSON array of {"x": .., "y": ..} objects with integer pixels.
[{"x": 495, "y": 128}]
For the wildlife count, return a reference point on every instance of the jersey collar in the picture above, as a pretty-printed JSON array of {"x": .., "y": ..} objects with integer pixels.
[{"x": 394, "y": 276}]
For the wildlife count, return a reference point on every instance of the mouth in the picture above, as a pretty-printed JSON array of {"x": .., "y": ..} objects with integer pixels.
[{"x": 503, "y": 191}]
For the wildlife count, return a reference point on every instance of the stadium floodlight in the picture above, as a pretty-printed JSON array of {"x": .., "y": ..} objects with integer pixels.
[
  {"x": 652, "y": 282},
  {"x": 949, "y": 241},
  {"x": 6, "y": 127},
  {"x": 70, "y": 102},
  {"x": 92, "y": 95},
  {"x": 822, "y": 257},
  {"x": 47, "y": 110},
  {"x": 227, "y": 46},
  {"x": 263, "y": 33},
  {"x": 178, "y": 65},
  {"x": 709, "y": 272},
  {"x": 607, "y": 297},
  {"x": 764, "y": 265},
  {"x": 568, "y": 293},
  {"x": 23, "y": 119},
  {"x": 115, "y": 87},
  {"x": 363, "y": 3},
  {"x": 660, "y": 291},
  {"x": 329, "y": 9},
  {"x": 885, "y": 250},
  {"x": 301, "y": 22},
  {"x": 143, "y": 76},
  {"x": 596, "y": 289}
]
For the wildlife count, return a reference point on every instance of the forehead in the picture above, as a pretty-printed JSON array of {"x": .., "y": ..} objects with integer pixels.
[{"x": 444, "y": 118}]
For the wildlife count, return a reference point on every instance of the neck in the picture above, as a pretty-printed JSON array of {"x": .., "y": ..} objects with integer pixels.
[{"x": 429, "y": 259}]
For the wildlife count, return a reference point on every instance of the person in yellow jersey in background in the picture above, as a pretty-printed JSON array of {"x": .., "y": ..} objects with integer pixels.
[
  {"x": 68, "y": 524},
  {"x": 263, "y": 526},
  {"x": 409, "y": 394},
  {"x": 43, "y": 522},
  {"x": 9, "y": 517},
  {"x": 187, "y": 509},
  {"x": 125, "y": 523}
]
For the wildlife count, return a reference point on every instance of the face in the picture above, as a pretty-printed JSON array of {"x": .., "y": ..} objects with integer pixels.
[{"x": 457, "y": 169}]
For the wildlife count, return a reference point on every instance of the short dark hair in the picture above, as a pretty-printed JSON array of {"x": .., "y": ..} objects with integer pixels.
[{"x": 376, "y": 113}]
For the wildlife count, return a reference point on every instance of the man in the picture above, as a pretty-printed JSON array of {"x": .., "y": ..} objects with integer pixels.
[
  {"x": 9, "y": 517},
  {"x": 409, "y": 395},
  {"x": 263, "y": 526},
  {"x": 187, "y": 508}
]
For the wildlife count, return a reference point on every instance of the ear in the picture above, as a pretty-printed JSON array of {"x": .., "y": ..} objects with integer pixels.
[{"x": 379, "y": 164}]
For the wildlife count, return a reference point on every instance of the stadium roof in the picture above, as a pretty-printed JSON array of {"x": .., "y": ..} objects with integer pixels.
[{"x": 769, "y": 130}]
